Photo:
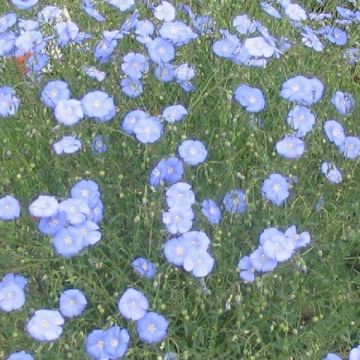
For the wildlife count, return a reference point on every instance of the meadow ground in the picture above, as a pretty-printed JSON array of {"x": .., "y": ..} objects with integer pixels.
[{"x": 305, "y": 308}]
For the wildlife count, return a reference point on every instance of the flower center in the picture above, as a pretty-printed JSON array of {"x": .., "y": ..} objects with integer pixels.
[
  {"x": 152, "y": 328},
  {"x": 68, "y": 240},
  {"x": 277, "y": 188},
  {"x": 97, "y": 104},
  {"x": 45, "y": 324},
  {"x": 295, "y": 87},
  {"x": 100, "y": 344},
  {"x": 179, "y": 250},
  {"x": 252, "y": 99}
]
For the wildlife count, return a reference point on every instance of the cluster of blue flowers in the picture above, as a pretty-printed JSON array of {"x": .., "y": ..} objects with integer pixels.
[
  {"x": 72, "y": 223},
  {"x": 349, "y": 146},
  {"x": 275, "y": 246},
  {"x": 113, "y": 342}
]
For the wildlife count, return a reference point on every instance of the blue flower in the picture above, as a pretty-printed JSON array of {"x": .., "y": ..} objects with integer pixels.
[
  {"x": 89, "y": 7},
  {"x": 198, "y": 262},
  {"x": 177, "y": 32},
  {"x": 270, "y": 10},
  {"x": 184, "y": 72},
  {"x": 148, "y": 130},
  {"x": 69, "y": 112},
  {"x": 72, "y": 303},
  {"x": 76, "y": 209},
  {"x": 160, "y": 50},
  {"x": 298, "y": 240},
  {"x": 89, "y": 233},
  {"x": 336, "y": 36},
  {"x": 261, "y": 262},
  {"x": 67, "y": 145},
  {"x": 180, "y": 195},
  {"x": 295, "y": 12},
  {"x": 175, "y": 250},
  {"x": 290, "y": 147},
  {"x": 9, "y": 103},
  {"x": 211, "y": 211},
  {"x": 94, "y": 73},
  {"x": 310, "y": 40},
  {"x": 276, "y": 189},
  {"x": 131, "y": 87},
  {"x": 53, "y": 92},
  {"x": 193, "y": 152},
  {"x": 298, "y": 89},
  {"x": 104, "y": 50},
  {"x": 44, "y": 206},
  {"x": 24, "y": 4},
  {"x": 259, "y": 47},
  {"x": 225, "y": 48},
  {"x": 165, "y": 11},
  {"x": 178, "y": 219},
  {"x": 7, "y": 43},
  {"x": 116, "y": 342},
  {"x": 12, "y": 292},
  {"x": 352, "y": 55},
  {"x": 7, "y": 21},
  {"x": 87, "y": 190},
  {"x": 152, "y": 328},
  {"x": 131, "y": 119},
  {"x": 144, "y": 29},
  {"x": 301, "y": 118},
  {"x": 165, "y": 72},
  {"x": 246, "y": 270},
  {"x": 95, "y": 343},
  {"x": 29, "y": 41},
  {"x": 195, "y": 241},
  {"x": 45, "y": 325},
  {"x": 49, "y": 13},
  {"x": 98, "y": 105},
  {"x": 344, "y": 102},
  {"x": 133, "y": 304},
  {"x": 66, "y": 32},
  {"x": 335, "y": 132},
  {"x": 12, "y": 297},
  {"x": 135, "y": 65},
  {"x": 144, "y": 267},
  {"x": 51, "y": 225},
  {"x": 174, "y": 113},
  {"x": 9, "y": 208},
  {"x": 67, "y": 241},
  {"x": 278, "y": 247},
  {"x": 99, "y": 144},
  {"x": 21, "y": 355},
  {"x": 331, "y": 172},
  {"x": 243, "y": 24},
  {"x": 235, "y": 201},
  {"x": 252, "y": 99},
  {"x": 168, "y": 170},
  {"x": 351, "y": 147}
]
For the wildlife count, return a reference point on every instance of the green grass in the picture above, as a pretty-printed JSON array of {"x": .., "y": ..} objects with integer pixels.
[{"x": 307, "y": 307}]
